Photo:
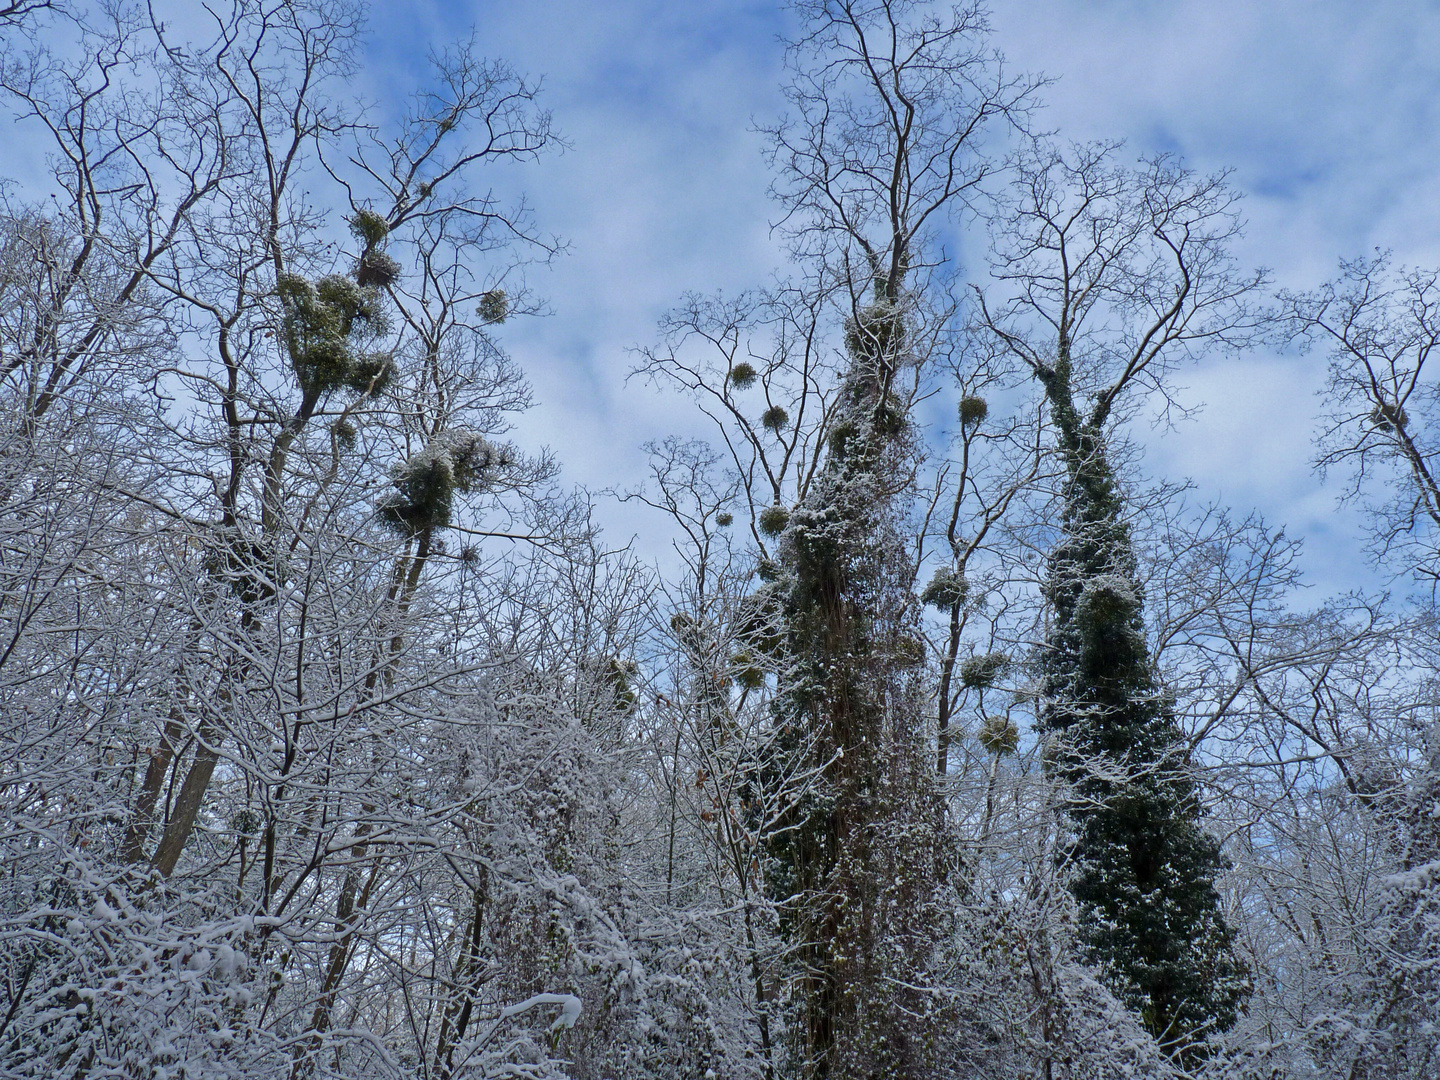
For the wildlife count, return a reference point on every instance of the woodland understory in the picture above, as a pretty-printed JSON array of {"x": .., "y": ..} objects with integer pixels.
[{"x": 337, "y": 741}]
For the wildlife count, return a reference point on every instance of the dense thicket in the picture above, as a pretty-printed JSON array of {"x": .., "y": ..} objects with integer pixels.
[{"x": 336, "y": 743}]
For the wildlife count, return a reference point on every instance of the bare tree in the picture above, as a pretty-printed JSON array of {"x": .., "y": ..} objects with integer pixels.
[
  {"x": 1380, "y": 325},
  {"x": 259, "y": 456}
]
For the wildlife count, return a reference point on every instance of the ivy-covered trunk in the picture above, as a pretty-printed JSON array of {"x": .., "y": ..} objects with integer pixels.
[
  {"x": 1144, "y": 869},
  {"x": 855, "y": 860}
]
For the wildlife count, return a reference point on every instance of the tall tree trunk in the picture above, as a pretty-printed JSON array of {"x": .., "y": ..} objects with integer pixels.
[
  {"x": 1145, "y": 869},
  {"x": 132, "y": 847}
]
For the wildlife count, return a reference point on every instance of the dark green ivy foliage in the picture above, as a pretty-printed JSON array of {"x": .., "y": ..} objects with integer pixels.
[
  {"x": 1144, "y": 868},
  {"x": 856, "y": 860}
]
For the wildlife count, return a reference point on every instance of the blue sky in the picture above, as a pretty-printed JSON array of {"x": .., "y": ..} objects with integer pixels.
[{"x": 1326, "y": 112}]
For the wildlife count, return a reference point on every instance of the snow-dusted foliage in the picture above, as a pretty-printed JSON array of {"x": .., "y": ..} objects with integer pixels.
[
  {"x": 335, "y": 742},
  {"x": 297, "y": 781}
]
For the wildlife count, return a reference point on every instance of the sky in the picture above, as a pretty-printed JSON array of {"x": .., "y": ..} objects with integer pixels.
[{"x": 1325, "y": 112}]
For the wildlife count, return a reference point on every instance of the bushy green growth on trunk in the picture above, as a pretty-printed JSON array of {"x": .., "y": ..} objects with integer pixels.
[
  {"x": 374, "y": 268},
  {"x": 494, "y": 307},
  {"x": 322, "y": 322},
  {"x": 877, "y": 329},
  {"x": 946, "y": 589},
  {"x": 980, "y": 672},
  {"x": 998, "y": 735},
  {"x": 370, "y": 228},
  {"x": 426, "y": 484},
  {"x": 856, "y": 860},
  {"x": 773, "y": 519},
  {"x": 742, "y": 376},
  {"x": 1144, "y": 869},
  {"x": 775, "y": 419}
]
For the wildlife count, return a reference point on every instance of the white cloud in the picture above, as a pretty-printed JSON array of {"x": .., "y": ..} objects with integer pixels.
[{"x": 1326, "y": 112}]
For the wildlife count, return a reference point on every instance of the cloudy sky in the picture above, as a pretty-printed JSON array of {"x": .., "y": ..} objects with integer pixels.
[{"x": 1326, "y": 112}]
